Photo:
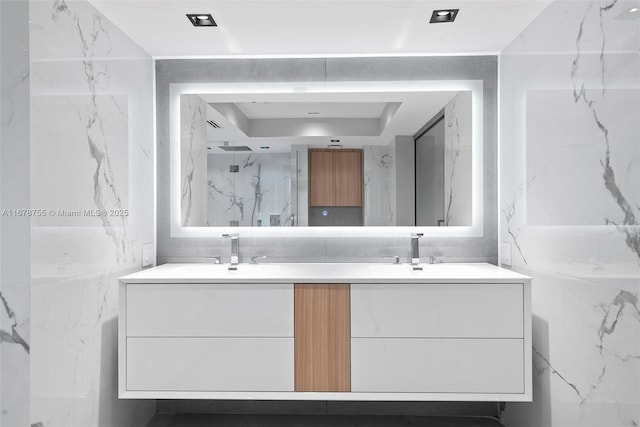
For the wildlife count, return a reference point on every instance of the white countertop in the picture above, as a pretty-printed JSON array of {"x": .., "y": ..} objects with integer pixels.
[{"x": 326, "y": 273}]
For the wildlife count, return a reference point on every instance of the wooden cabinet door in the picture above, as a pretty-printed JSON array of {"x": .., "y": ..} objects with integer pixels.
[
  {"x": 335, "y": 177},
  {"x": 321, "y": 178},
  {"x": 348, "y": 177},
  {"x": 322, "y": 338}
]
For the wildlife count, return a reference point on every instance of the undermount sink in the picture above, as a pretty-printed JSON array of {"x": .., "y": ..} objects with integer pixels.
[{"x": 396, "y": 268}]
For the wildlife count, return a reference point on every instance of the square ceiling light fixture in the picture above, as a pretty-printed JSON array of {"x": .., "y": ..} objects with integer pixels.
[
  {"x": 443, "y": 15},
  {"x": 201, "y": 20}
]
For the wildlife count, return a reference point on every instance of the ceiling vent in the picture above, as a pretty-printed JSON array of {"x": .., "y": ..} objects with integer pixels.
[
  {"x": 234, "y": 148},
  {"x": 214, "y": 124}
]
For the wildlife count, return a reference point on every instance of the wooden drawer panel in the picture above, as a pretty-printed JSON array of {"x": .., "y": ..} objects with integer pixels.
[
  {"x": 422, "y": 365},
  {"x": 210, "y": 364},
  {"x": 322, "y": 341},
  {"x": 438, "y": 310},
  {"x": 210, "y": 310}
]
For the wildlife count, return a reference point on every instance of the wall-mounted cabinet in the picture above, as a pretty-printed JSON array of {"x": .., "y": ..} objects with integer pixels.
[
  {"x": 288, "y": 334},
  {"x": 335, "y": 177}
]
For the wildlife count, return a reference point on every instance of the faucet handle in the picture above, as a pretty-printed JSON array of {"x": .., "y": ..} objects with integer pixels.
[
  {"x": 231, "y": 235},
  {"x": 395, "y": 258},
  {"x": 254, "y": 259},
  {"x": 216, "y": 259}
]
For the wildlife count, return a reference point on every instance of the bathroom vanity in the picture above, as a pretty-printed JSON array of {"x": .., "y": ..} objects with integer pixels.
[{"x": 444, "y": 332}]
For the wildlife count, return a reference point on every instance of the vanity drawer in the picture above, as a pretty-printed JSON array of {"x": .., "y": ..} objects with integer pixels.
[
  {"x": 210, "y": 364},
  {"x": 437, "y": 310},
  {"x": 209, "y": 310},
  {"x": 433, "y": 365}
]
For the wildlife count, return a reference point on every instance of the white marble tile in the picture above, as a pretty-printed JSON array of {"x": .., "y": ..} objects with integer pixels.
[
  {"x": 15, "y": 355},
  {"x": 379, "y": 185},
  {"x": 92, "y": 162},
  {"x": 193, "y": 160},
  {"x": 570, "y": 192},
  {"x": 457, "y": 160},
  {"x": 259, "y": 194},
  {"x": 300, "y": 185},
  {"x": 15, "y": 339}
]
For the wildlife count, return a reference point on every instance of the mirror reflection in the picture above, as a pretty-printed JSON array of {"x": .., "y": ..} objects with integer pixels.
[{"x": 326, "y": 159}]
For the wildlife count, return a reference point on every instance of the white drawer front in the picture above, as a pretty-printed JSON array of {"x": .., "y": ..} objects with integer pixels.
[
  {"x": 437, "y": 310},
  {"x": 420, "y": 365},
  {"x": 210, "y": 310},
  {"x": 210, "y": 364}
]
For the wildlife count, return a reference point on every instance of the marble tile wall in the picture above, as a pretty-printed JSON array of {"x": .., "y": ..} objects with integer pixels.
[
  {"x": 15, "y": 246},
  {"x": 92, "y": 172},
  {"x": 379, "y": 185},
  {"x": 570, "y": 208},
  {"x": 300, "y": 185},
  {"x": 258, "y": 195},
  {"x": 457, "y": 160},
  {"x": 193, "y": 160}
]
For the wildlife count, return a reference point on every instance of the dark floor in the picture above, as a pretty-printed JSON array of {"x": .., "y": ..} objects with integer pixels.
[{"x": 216, "y": 420}]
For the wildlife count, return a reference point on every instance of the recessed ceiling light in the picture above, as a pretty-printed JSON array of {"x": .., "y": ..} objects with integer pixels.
[
  {"x": 633, "y": 9},
  {"x": 201, "y": 20},
  {"x": 443, "y": 15}
]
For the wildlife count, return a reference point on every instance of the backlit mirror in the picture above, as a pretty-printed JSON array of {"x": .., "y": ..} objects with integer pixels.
[{"x": 328, "y": 158}]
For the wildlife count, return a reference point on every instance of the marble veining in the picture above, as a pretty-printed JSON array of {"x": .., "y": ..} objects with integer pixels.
[
  {"x": 12, "y": 337},
  {"x": 106, "y": 195},
  {"x": 540, "y": 370},
  {"x": 15, "y": 244},
  {"x": 613, "y": 313},
  {"x": 193, "y": 152},
  {"x": 19, "y": 79},
  {"x": 509, "y": 212},
  {"x": 457, "y": 160},
  {"x": 259, "y": 194},
  {"x": 629, "y": 225},
  {"x": 453, "y": 147},
  {"x": 234, "y": 201},
  {"x": 569, "y": 168},
  {"x": 379, "y": 185},
  {"x": 91, "y": 149}
]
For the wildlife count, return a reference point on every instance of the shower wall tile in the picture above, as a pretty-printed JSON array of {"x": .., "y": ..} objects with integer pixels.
[
  {"x": 379, "y": 185},
  {"x": 570, "y": 197},
  {"x": 258, "y": 194},
  {"x": 193, "y": 161},
  {"x": 15, "y": 317},
  {"x": 457, "y": 160},
  {"x": 92, "y": 174}
]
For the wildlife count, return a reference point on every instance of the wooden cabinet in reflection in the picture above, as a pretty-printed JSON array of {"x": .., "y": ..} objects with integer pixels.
[{"x": 335, "y": 177}]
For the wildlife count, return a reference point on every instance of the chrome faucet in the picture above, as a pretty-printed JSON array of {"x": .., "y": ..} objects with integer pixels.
[
  {"x": 254, "y": 259},
  {"x": 415, "y": 248},
  {"x": 235, "y": 247}
]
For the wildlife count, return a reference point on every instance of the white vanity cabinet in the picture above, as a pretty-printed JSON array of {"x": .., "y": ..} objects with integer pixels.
[
  {"x": 444, "y": 333},
  {"x": 184, "y": 337},
  {"x": 437, "y": 338}
]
